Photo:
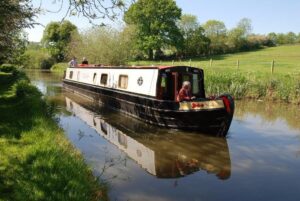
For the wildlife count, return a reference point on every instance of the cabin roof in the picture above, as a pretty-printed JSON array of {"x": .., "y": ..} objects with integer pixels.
[{"x": 129, "y": 67}]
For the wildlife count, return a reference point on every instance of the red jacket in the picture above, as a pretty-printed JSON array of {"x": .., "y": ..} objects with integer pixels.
[{"x": 184, "y": 95}]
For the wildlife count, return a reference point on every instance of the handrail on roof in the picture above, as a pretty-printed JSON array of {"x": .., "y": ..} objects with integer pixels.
[{"x": 121, "y": 66}]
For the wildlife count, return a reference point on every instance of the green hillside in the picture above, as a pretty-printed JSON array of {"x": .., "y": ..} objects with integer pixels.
[{"x": 287, "y": 60}]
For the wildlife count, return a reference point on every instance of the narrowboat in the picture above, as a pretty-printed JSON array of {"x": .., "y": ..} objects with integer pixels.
[
  {"x": 149, "y": 93},
  {"x": 153, "y": 151}
]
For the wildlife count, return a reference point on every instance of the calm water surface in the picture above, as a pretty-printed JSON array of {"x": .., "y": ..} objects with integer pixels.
[{"x": 259, "y": 160}]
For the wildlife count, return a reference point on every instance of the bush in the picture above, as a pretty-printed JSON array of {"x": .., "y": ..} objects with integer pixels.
[
  {"x": 59, "y": 66},
  {"x": 47, "y": 63},
  {"x": 25, "y": 89},
  {"x": 37, "y": 58},
  {"x": 8, "y": 68}
]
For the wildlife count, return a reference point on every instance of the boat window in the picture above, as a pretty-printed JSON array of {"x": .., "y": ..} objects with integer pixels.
[
  {"x": 185, "y": 77},
  {"x": 94, "y": 78},
  {"x": 71, "y": 75},
  {"x": 94, "y": 122},
  {"x": 103, "y": 79},
  {"x": 123, "y": 81},
  {"x": 78, "y": 75},
  {"x": 103, "y": 127},
  {"x": 163, "y": 81},
  {"x": 195, "y": 84},
  {"x": 166, "y": 89},
  {"x": 163, "y": 86},
  {"x": 122, "y": 139}
]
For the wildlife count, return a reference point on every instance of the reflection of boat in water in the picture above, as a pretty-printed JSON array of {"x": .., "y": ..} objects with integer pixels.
[
  {"x": 150, "y": 94},
  {"x": 160, "y": 153}
]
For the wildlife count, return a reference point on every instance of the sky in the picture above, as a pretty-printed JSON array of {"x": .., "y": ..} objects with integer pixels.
[{"x": 279, "y": 16}]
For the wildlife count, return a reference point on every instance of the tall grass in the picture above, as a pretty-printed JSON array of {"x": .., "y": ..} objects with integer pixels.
[
  {"x": 254, "y": 85},
  {"x": 37, "y": 162}
]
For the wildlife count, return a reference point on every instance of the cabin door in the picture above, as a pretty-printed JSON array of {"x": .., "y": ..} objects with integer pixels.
[
  {"x": 168, "y": 89},
  {"x": 175, "y": 85}
]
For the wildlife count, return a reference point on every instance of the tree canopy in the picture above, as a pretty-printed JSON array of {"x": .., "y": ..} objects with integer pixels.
[
  {"x": 155, "y": 23},
  {"x": 238, "y": 36},
  {"x": 195, "y": 42},
  {"x": 94, "y": 10},
  {"x": 56, "y": 38},
  {"x": 103, "y": 45},
  {"x": 19, "y": 14},
  {"x": 216, "y": 31},
  {"x": 187, "y": 23},
  {"x": 15, "y": 15},
  {"x": 152, "y": 27}
]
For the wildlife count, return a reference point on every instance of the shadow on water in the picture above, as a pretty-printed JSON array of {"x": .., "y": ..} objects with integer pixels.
[{"x": 158, "y": 151}]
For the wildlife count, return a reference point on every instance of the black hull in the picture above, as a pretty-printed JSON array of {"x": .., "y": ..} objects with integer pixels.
[{"x": 156, "y": 112}]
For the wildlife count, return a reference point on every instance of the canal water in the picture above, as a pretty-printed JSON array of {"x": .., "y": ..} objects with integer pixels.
[{"x": 259, "y": 159}]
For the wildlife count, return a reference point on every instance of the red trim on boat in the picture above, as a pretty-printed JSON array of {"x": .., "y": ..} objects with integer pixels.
[{"x": 226, "y": 103}]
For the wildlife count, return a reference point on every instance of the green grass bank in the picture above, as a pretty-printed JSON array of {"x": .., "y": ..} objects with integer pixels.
[{"x": 37, "y": 162}]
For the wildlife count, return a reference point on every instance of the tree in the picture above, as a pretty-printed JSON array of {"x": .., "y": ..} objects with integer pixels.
[
  {"x": 195, "y": 41},
  {"x": 298, "y": 38},
  {"x": 238, "y": 36},
  {"x": 19, "y": 14},
  {"x": 197, "y": 44},
  {"x": 15, "y": 15},
  {"x": 291, "y": 38},
  {"x": 103, "y": 45},
  {"x": 94, "y": 10},
  {"x": 155, "y": 23},
  {"x": 187, "y": 23},
  {"x": 245, "y": 27},
  {"x": 235, "y": 40},
  {"x": 56, "y": 38},
  {"x": 281, "y": 39},
  {"x": 216, "y": 32},
  {"x": 273, "y": 37}
]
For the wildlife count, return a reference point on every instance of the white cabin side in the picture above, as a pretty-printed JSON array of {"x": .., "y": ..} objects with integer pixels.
[{"x": 140, "y": 81}]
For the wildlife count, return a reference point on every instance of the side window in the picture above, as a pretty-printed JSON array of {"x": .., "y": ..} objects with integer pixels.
[
  {"x": 103, "y": 128},
  {"x": 122, "y": 139},
  {"x": 185, "y": 78},
  {"x": 123, "y": 81},
  {"x": 195, "y": 84},
  {"x": 103, "y": 79},
  {"x": 163, "y": 83},
  {"x": 78, "y": 75},
  {"x": 71, "y": 75},
  {"x": 94, "y": 78},
  {"x": 166, "y": 89}
]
